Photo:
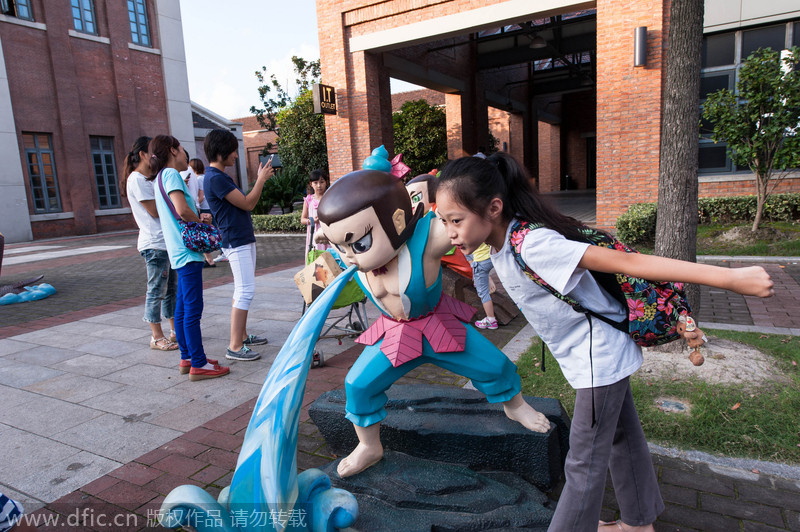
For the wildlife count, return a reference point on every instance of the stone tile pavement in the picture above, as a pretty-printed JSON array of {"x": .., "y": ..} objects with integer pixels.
[{"x": 96, "y": 420}]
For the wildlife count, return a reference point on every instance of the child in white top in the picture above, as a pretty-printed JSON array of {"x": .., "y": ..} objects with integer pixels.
[
  {"x": 317, "y": 184},
  {"x": 478, "y": 201},
  {"x": 161, "y": 278}
]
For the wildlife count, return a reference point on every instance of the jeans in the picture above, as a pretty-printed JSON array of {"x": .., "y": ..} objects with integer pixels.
[
  {"x": 480, "y": 276},
  {"x": 188, "y": 311},
  {"x": 161, "y": 286}
]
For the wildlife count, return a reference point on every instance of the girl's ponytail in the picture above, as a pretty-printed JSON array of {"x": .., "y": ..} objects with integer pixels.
[{"x": 132, "y": 161}]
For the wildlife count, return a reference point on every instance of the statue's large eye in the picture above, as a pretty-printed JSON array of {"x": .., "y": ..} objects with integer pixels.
[
  {"x": 363, "y": 244},
  {"x": 416, "y": 198}
]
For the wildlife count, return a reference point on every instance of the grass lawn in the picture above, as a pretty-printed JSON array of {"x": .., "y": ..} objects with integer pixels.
[
  {"x": 776, "y": 239},
  {"x": 727, "y": 420}
]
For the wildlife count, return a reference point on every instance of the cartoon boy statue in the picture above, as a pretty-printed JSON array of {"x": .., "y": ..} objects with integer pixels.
[{"x": 367, "y": 216}]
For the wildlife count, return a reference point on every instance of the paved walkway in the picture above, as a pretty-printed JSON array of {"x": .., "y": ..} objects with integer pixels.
[{"x": 93, "y": 418}]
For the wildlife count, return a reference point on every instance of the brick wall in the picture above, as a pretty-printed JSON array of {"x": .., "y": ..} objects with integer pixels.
[
  {"x": 549, "y": 157},
  {"x": 628, "y": 106},
  {"x": 745, "y": 188},
  {"x": 702, "y": 496},
  {"x": 362, "y": 81},
  {"x": 72, "y": 88}
]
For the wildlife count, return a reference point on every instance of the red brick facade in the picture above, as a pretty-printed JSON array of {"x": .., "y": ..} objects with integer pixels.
[
  {"x": 73, "y": 88},
  {"x": 606, "y": 137}
]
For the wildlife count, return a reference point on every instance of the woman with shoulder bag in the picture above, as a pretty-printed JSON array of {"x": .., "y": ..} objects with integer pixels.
[{"x": 175, "y": 209}]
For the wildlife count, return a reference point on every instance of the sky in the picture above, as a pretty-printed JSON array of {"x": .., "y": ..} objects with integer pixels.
[{"x": 226, "y": 42}]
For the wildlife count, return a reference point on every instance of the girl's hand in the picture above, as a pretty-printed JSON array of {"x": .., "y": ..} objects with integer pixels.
[
  {"x": 205, "y": 218},
  {"x": 265, "y": 171},
  {"x": 752, "y": 281}
]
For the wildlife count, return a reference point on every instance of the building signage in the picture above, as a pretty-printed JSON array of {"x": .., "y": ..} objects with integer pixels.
[{"x": 324, "y": 99}]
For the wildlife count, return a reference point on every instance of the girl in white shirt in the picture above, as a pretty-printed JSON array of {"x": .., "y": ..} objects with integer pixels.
[
  {"x": 161, "y": 278},
  {"x": 479, "y": 201}
]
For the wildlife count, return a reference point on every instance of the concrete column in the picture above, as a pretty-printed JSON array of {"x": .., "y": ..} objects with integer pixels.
[
  {"x": 176, "y": 80},
  {"x": 549, "y": 157},
  {"x": 15, "y": 223}
]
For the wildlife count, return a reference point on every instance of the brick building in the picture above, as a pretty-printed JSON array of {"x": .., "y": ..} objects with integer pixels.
[
  {"x": 255, "y": 139},
  {"x": 579, "y": 114},
  {"x": 79, "y": 82}
]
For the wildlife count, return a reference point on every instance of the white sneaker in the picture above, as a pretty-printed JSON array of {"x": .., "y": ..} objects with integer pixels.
[{"x": 486, "y": 323}]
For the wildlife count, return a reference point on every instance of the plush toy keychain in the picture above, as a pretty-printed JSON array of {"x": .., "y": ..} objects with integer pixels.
[{"x": 694, "y": 336}]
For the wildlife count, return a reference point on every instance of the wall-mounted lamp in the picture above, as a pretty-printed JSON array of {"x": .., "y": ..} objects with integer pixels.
[
  {"x": 537, "y": 43},
  {"x": 640, "y": 46}
]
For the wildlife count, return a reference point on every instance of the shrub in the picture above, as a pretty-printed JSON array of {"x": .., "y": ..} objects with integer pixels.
[
  {"x": 638, "y": 224},
  {"x": 285, "y": 188},
  {"x": 278, "y": 223}
]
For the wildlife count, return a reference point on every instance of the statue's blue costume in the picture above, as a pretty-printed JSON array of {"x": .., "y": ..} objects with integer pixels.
[{"x": 436, "y": 332}]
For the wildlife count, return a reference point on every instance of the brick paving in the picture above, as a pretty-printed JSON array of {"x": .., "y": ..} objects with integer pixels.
[{"x": 698, "y": 496}]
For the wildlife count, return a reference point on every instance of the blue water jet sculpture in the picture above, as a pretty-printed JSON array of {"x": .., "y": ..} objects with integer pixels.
[{"x": 266, "y": 493}]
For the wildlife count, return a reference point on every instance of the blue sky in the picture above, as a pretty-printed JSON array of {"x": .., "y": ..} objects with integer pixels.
[{"x": 226, "y": 42}]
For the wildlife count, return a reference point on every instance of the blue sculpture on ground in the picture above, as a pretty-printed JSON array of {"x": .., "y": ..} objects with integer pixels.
[
  {"x": 266, "y": 493},
  {"x": 27, "y": 293}
]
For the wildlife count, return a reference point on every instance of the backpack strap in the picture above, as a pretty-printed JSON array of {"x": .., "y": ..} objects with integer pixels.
[
  {"x": 516, "y": 237},
  {"x": 167, "y": 199}
]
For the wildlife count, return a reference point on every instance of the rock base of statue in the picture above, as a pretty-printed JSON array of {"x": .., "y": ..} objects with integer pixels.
[
  {"x": 413, "y": 494},
  {"x": 456, "y": 426}
]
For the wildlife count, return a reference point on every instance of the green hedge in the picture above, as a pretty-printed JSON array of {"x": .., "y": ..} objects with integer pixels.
[
  {"x": 638, "y": 224},
  {"x": 278, "y": 223}
]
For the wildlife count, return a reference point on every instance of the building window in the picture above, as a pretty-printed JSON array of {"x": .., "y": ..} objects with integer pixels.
[
  {"x": 83, "y": 16},
  {"x": 17, "y": 8},
  {"x": 137, "y": 14},
  {"x": 105, "y": 173},
  {"x": 42, "y": 172},
  {"x": 722, "y": 56}
]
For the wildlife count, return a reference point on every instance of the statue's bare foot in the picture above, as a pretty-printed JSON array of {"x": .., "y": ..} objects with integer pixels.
[
  {"x": 520, "y": 411},
  {"x": 362, "y": 457}
]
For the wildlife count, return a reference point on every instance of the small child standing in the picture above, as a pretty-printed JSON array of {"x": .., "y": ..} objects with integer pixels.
[
  {"x": 481, "y": 266},
  {"x": 317, "y": 185}
]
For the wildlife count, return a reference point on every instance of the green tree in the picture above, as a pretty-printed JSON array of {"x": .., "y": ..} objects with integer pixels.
[
  {"x": 420, "y": 134},
  {"x": 301, "y": 133},
  {"x": 760, "y": 122},
  {"x": 302, "y": 142}
]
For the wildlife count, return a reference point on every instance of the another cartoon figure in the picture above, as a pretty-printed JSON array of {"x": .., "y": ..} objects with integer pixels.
[
  {"x": 367, "y": 216},
  {"x": 422, "y": 190}
]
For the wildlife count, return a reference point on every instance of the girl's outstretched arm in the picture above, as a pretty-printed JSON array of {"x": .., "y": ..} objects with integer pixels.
[{"x": 750, "y": 281}]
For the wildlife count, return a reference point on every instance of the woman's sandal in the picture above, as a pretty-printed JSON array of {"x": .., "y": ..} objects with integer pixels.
[
  {"x": 162, "y": 344},
  {"x": 610, "y": 525}
]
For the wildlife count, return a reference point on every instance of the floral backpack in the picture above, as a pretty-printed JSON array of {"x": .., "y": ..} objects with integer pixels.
[{"x": 653, "y": 307}]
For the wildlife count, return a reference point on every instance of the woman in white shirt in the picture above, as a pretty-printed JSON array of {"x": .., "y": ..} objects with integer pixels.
[{"x": 161, "y": 278}]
